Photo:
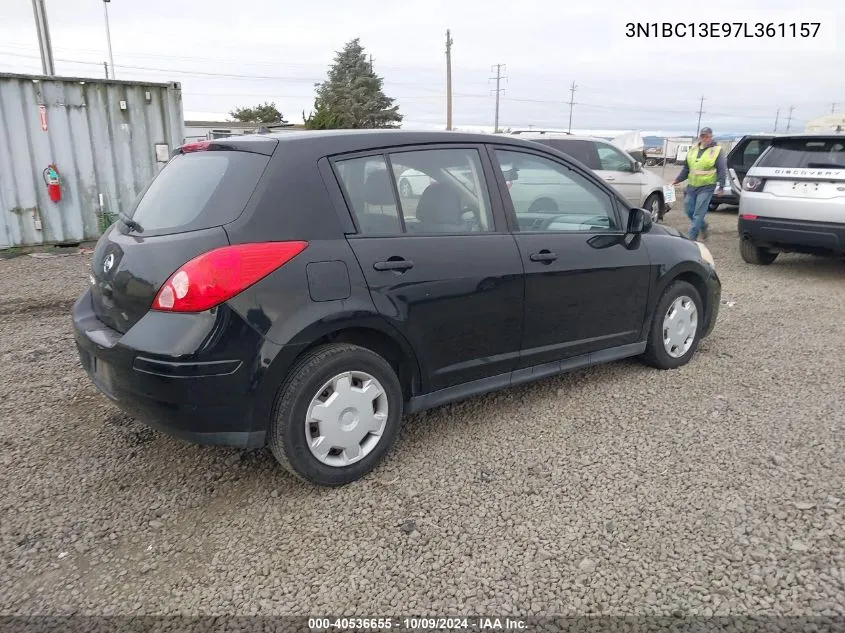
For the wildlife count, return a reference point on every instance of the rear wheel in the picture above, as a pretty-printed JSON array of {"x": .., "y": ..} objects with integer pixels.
[
  {"x": 336, "y": 415},
  {"x": 753, "y": 254},
  {"x": 654, "y": 205},
  {"x": 676, "y": 327},
  {"x": 714, "y": 205}
]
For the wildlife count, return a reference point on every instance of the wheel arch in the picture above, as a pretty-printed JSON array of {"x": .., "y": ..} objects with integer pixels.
[
  {"x": 369, "y": 331},
  {"x": 688, "y": 272}
]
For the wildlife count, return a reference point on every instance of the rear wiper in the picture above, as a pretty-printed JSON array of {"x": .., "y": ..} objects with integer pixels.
[
  {"x": 825, "y": 166},
  {"x": 132, "y": 224}
]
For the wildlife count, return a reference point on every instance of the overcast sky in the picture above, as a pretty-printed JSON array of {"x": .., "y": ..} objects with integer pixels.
[{"x": 228, "y": 54}]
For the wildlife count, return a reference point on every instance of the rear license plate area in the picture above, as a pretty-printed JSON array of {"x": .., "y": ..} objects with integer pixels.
[
  {"x": 805, "y": 189},
  {"x": 101, "y": 374}
]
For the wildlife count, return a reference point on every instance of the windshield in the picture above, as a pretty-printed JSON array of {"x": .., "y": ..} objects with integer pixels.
[{"x": 805, "y": 153}]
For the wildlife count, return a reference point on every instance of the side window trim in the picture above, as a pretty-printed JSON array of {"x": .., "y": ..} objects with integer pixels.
[
  {"x": 507, "y": 203},
  {"x": 336, "y": 192},
  {"x": 400, "y": 210}
]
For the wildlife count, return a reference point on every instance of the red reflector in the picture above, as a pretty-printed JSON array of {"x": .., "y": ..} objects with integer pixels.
[
  {"x": 214, "y": 277},
  {"x": 199, "y": 146},
  {"x": 748, "y": 216}
]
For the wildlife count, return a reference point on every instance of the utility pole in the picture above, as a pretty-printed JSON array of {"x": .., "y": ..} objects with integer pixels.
[
  {"x": 44, "y": 43},
  {"x": 499, "y": 90},
  {"x": 448, "y": 80},
  {"x": 108, "y": 37},
  {"x": 571, "y": 103},
  {"x": 777, "y": 116},
  {"x": 700, "y": 112},
  {"x": 789, "y": 120},
  {"x": 833, "y": 107}
]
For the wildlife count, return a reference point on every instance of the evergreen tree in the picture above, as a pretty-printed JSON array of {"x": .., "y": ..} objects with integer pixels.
[
  {"x": 352, "y": 96},
  {"x": 262, "y": 113}
]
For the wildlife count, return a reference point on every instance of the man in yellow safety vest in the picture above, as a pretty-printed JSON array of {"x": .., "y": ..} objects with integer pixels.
[{"x": 706, "y": 171}]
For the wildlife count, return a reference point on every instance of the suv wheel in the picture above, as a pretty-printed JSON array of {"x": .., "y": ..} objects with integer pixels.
[
  {"x": 753, "y": 254},
  {"x": 654, "y": 205},
  {"x": 336, "y": 415},
  {"x": 676, "y": 327}
]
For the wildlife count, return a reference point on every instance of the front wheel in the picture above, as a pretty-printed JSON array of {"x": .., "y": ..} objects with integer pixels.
[
  {"x": 753, "y": 254},
  {"x": 654, "y": 205},
  {"x": 336, "y": 415},
  {"x": 676, "y": 327}
]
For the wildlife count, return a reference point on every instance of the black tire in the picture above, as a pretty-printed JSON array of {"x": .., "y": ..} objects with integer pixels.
[
  {"x": 661, "y": 207},
  {"x": 286, "y": 436},
  {"x": 753, "y": 254},
  {"x": 655, "y": 353},
  {"x": 715, "y": 205}
]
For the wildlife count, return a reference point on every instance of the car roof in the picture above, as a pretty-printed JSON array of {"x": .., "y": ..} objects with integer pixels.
[
  {"x": 811, "y": 137},
  {"x": 558, "y": 136},
  {"x": 316, "y": 143}
]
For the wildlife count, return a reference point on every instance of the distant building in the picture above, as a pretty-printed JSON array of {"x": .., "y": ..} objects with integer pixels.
[
  {"x": 207, "y": 130},
  {"x": 827, "y": 124}
]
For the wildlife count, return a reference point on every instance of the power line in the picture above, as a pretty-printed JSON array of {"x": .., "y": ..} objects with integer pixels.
[
  {"x": 571, "y": 103},
  {"x": 499, "y": 91}
]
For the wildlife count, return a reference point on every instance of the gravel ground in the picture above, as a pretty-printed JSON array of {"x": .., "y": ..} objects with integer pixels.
[{"x": 718, "y": 488}]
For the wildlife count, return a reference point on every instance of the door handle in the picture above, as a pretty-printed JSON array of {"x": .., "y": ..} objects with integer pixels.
[
  {"x": 394, "y": 264},
  {"x": 545, "y": 256},
  {"x": 609, "y": 178}
]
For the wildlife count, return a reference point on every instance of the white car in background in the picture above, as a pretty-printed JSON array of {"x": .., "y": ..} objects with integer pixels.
[
  {"x": 412, "y": 183},
  {"x": 640, "y": 187}
]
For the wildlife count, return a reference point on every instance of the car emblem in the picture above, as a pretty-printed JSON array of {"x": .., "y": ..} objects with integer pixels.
[{"x": 108, "y": 263}]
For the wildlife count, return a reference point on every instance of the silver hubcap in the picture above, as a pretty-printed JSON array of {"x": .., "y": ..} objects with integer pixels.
[
  {"x": 346, "y": 418},
  {"x": 679, "y": 326}
]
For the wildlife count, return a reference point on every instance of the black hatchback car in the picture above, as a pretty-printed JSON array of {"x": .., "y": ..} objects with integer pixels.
[{"x": 278, "y": 290}]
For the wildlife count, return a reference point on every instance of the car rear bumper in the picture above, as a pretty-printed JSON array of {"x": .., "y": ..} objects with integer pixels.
[
  {"x": 198, "y": 395},
  {"x": 793, "y": 235},
  {"x": 729, "y": 198}
]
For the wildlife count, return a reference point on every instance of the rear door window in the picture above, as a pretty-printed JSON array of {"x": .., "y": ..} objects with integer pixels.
[
  {"x": 583, "y": 151},
  {"x": 805, "y": 154},
  {"x": 198, "y": 190}
]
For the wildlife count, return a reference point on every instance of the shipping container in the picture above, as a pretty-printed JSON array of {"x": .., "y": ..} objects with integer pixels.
[{"x": 103, "y": 139}]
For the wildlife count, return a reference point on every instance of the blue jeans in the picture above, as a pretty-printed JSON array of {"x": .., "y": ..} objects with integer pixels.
[{"x": 697, "y": 204}]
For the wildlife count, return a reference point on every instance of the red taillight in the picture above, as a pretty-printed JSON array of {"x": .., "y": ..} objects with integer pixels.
[
  {"x": 748, "y": 216},
  {"x": 198, "y": 146},
  {"x": 217, "y": 276}
]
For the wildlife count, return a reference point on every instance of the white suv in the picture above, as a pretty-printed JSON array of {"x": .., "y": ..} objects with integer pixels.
[
  {"x": 793, "y": 199},
  {"x": 638, "y": 186}
]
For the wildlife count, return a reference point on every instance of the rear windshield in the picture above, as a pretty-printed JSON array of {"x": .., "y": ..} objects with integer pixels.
[
  {"x": 583, "y": 151},
  {"x": 805, "y": 153},
  {"x": 198, "y": 191}
]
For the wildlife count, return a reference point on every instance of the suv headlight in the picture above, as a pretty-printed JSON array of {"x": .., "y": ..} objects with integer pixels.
[{"x": 706, "y": 255}]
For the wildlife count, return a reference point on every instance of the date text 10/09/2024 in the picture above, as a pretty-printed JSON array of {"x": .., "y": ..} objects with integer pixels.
[
  {"x": 722, "y": 29},
  {"x": 411, "y": 624}
]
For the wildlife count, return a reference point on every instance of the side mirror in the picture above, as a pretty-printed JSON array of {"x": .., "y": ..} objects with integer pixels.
[
  {"x": 638, "y": 167},
  {"x": 639, "y": 221}
]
